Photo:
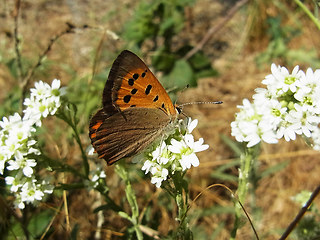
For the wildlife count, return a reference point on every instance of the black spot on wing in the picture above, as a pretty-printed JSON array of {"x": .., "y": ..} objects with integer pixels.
[
  {"x": 134, "y": 91},
  {"x": 148, "y": 89},
  {"x": 135, "y": 76},
  {"x": 156, "y": 98},
  {"x": 130, "y": 82},
  {"x": 127, "y": 98}
]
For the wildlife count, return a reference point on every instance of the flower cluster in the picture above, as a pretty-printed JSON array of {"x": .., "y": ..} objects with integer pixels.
[
  {"x": 288, "y": 106},
  {"x": 17, "y": 143},
  {"x": 44, "y": 100},
  {"x": 175, "y": 153},
  {"x": 95, "y": 176}
]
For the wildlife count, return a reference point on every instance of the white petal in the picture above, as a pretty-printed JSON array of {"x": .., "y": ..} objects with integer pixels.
[{"x": 192, "y": 125}]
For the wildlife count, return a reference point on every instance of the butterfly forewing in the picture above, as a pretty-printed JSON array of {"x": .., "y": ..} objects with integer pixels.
[{"x": 132, "y": 84}]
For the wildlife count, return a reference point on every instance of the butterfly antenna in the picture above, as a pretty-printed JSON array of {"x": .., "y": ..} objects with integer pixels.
[
  {"x": 192, "y": 103},
  {"x": 186, "y": 87}
]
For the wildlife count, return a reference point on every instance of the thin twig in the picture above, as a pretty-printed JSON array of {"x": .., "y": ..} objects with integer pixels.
[
  {"x": 300, "y": 214},
  {"x": 215, "y": 29},
  {"x": 69, "y": 29},
  {"x": 16, "y": 38},
  {"x": 233, "y": 195},
  {"x": 51, "y": 222}
]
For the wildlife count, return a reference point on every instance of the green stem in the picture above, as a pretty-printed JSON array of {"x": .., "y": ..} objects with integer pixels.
[
  {"x": 72, "y": 122},
  {"x": 131, "y": 198},
  {"x": 181, "y": 185},
  {"x": 246, "y": 160},
  {"x": 309, "y": 13},
  {"x": 83, "y": 153}
]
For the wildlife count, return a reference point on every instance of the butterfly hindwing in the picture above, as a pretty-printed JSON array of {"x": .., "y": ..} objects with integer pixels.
[{"x": 115, "y": 137}]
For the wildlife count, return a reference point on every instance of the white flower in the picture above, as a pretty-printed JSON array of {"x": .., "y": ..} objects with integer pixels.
[
  {"x": 305, "y": 120},
  {"x": 31, "y": 192},
  {"x": 280, "y": 81},
  {"x": 186, "y": 148},
  {"x": 41, "y": 90},
  {"x": 44, "y": 100},
  {"x": 95, "y": 176},
  {"x": 147, "y": 166},
  {"x": 316, "y": 139},
  {"x": 19, "y": 203},
  {"x": 17, "y": 143},
  {"x": 187, "y": 160},
  {"x": 90, "y": 151},
  {"x": 250, "y": 126},
  {"x": 22, "y": 163},
  {"x": 7, "y": 124},
  {"x": 176, "y": 153},
  {"x": 289, "y": 106},
  {"x": 191, "y": 124},
  {"x": 159, "y": 175},
  {"x": 27, "y": 190},
  {"x": 302, "y": 197},
  {"x": 2, "y": 163},
  {"x": 14, "y": 182}
]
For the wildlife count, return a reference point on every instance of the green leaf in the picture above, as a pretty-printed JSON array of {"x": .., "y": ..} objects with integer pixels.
[
  {"x": 276, "y": 168},
  {"x": 12, "y": 66},
  {"x": 235, "y": 146},
  {"x": 180, "y": 76},
  {"x": 74, "y": 232},
  {"x": 39, "y": 222},
  {"x": 162, "y": 60},
  {"x": 200, "y": 61},
  {"x": 206, "y": 73},
  {"x": 124, "y": 215},
  {"x": 15, "y": 232},
  {"x": 224, "y": 176}
]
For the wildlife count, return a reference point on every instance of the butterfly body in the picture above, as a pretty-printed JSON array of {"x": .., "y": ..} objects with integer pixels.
[{"x": 136, "y": 110}]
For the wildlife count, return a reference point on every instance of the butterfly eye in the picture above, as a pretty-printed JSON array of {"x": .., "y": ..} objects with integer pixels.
[{"x": 179, "y": 110}]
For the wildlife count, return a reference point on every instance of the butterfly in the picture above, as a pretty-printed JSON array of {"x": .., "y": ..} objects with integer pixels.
[{"x": 136, "y": 110}]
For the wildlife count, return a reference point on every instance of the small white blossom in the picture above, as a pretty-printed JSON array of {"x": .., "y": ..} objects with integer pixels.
[
  {"x": 30, "y": 192},
  {"x": 178, "y": 154},
  {"x": 15, "y": 183},
  {"x": 159, "y": 175},
  {"x": 289, "y": 106},
  {"x": 315, "y": 136},
  {"x": 147, "y": 166},
  {"x": 95, "y": 176},
  {"x": 44, "y": 100},
  {"x": 17, "y": 144}
]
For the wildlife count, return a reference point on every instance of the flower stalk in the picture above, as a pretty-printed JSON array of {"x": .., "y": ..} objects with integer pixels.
[
  {"x": 131, "y": 198},
  {"x": 246, "y": 169}
]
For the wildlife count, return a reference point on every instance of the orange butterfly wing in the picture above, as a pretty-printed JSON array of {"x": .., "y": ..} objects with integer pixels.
[
  {"x": 132, "y": 84},
  {"x": 136, "y": 110}
]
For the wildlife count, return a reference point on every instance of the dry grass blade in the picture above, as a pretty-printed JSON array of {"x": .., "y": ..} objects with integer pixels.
[{"x": 232, "y": 194}]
